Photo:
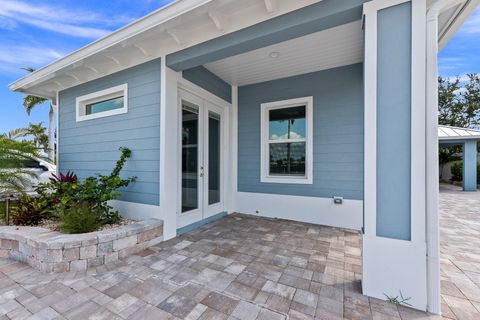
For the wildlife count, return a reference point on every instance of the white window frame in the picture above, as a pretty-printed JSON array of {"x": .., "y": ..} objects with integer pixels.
[
  {"x": 102, "y": 95},
  {"x": 264, "y": 143}
]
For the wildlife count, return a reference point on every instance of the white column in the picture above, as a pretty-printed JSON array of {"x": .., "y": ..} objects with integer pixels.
[
  {"x": 432, "y": 183},
  {"x": 233, "y": 141},
  {"x": 395, "y": 264},
  {"x": 169, "y": 149}
]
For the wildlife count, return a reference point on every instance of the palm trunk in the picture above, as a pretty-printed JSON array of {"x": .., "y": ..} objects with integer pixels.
[{"x": 50, "y": 135}]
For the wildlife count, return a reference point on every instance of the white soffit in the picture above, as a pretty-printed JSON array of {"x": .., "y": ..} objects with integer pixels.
[
  {"x": 338, "y": 46},
  {"x": 446, "y": 133},
  {"x": 179, "y": 25}
]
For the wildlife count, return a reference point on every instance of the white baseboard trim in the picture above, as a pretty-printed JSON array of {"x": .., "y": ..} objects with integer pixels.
[
  {"x": 136, "y": 211},
  {"x": 392, "y": 266},
  {"x": 304, "y": 209}
]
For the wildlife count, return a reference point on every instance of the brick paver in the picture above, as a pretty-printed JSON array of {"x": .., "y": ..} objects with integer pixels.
[
  {"x": 460, "y": 253},
  {"x": 240, "y": 267}
]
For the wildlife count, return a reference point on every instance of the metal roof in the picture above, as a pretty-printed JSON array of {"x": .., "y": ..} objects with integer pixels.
[{"x": 447, "y": 133}]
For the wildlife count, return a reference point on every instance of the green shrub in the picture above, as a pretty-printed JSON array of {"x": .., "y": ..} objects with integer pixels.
[
  {"x": 29, "y": 211},
  {"x": 69, "y": 197},
  {"x": 457, "y": 171},
  {"x": 81, "y": 218}
]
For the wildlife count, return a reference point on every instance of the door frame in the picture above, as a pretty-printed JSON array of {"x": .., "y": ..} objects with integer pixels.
[{"x": 202, "y": 94}]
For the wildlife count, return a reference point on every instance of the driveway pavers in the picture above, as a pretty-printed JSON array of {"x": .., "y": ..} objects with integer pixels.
[
  {"x": 239, "y": 267},
  {"x": 460, "y": 253}
]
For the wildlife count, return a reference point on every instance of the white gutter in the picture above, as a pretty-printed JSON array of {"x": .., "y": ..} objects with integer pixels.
[{"x": 432, "y": 183}]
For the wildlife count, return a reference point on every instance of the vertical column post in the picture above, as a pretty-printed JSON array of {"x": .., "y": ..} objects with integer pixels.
[
  {"x": 394, "y": 246},
  {"x": 470, "y": 165},
  {"x": 169, "y": 146}
]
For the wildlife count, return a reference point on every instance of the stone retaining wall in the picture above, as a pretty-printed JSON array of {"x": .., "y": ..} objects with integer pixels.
[{"x": 51, "y": 251}]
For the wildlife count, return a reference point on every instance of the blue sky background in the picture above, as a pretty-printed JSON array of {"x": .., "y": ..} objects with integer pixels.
[{"x": 34, "y": 33}]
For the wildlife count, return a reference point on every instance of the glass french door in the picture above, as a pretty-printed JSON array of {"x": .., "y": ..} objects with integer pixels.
[{"x": 201, "y": 176}]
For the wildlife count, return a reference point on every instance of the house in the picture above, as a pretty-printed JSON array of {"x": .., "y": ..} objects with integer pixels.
[
  {"x": 468, "y": 139},
  {"x": 317, "y": 111}
]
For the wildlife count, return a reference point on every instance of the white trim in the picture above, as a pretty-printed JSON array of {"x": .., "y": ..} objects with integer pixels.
[
  {"x": 370, "y": 121},
  {"x": 191, "y": 87},
  {"x": 57, "y": 128},
  {"x": 233, "y": 176},
  {"x": 417, "y": 171},
  {"x": 98, "y": 96},
  {"x": 315, "y": 210},
  {"x": 137, "y": 211},
  {"x": 431, "y": 150},
  {"x": 265, "y": 142},
  {"x": 202, "y": 99},
  {"x": 168, "y": 146}
]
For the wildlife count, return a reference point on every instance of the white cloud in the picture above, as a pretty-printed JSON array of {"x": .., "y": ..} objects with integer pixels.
[
  {"x": 293, "y": 135},
  {"x": 74, "y": 21},
  {"x": 472, "y": 25},
  {"x": 27, "y": 56}
]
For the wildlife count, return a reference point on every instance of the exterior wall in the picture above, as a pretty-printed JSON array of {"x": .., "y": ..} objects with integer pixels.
[
  {"x": 393, "y": 122},
  {"x": 207, "y": 80},
  {"x": 91, "y": 147},
  {"x": 337, "y": 132}
]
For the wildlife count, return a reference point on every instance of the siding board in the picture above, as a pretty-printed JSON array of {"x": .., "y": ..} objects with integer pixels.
[
  {"x": 91, "y": 147},
  {"x": 337, "y": 133}
]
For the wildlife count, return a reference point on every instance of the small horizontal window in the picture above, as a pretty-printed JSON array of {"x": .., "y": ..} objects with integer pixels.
[
  {"x": 287, "y": 141},
  {"x": 108, "y": 102}
]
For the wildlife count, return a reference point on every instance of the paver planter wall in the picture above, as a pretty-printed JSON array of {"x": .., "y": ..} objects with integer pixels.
[{"x": 51, "y": 251}]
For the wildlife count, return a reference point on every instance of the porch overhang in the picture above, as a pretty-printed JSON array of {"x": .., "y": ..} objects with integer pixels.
[{"x": 320, "y": 16}]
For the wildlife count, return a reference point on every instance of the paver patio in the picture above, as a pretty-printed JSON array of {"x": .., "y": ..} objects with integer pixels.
[
  {"x": 240, "y": 267},
  {"x": 460, "y": 253}
]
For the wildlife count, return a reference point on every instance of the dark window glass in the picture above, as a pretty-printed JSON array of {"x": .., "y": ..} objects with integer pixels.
[
  {"x": 213, "y": 158},
  {"x": 102, "y": 106},
  {"x": 287, "y": 123},
  {"x": 287, "y": 158},
  {"x": 189, "y": 159}
]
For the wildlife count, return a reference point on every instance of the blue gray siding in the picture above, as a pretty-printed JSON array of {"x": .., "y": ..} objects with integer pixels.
[
  {"x": 209, "y": 81},
  {"x": 470, "y": 165},
  {"x": 337, "y": 132},
  {"x": 394, "y": 122},
  {"x": 91, "y": 146}
]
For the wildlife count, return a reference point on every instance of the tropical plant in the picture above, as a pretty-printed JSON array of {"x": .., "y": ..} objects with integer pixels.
[
  {"x": 448, "y": 154},
  {"x": 29, "y": 103},
  {"x": 66, "y": 191},
  {"x": 13, "y": 178},
  {"x": 39, "y": 138},
  {"x": 81, "y": 218},
  {"x": 29, "y": 211}
]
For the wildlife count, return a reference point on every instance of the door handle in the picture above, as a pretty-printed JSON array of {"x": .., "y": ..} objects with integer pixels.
[{"x": 202, "y": 171}]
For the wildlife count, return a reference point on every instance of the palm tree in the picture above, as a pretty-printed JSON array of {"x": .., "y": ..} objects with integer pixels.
[
  {"x": 30, "y": 102},
  {"x": 37, "y": 131},
  {"x": 13, "y": 178}
]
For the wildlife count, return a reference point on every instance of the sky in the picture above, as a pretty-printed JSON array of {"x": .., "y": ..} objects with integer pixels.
[{"x": 34, "y": 33}]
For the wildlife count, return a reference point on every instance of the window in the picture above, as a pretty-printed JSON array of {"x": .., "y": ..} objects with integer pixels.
[
  {"x": 103, "y": 103},
  {"x": 286, "y": 147}
]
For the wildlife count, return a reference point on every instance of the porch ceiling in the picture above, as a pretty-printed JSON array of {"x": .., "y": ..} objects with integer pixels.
[{"x": 334, "y": 47}]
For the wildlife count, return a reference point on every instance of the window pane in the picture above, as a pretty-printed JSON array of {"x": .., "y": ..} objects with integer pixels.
[
  {"x": 110, "y": 104},
  {"x": 189, "y": 159},
  {"x": 213, "y": 158},
  {"x": 287, "y": 158},
  {"x": 287, "y": 123}
]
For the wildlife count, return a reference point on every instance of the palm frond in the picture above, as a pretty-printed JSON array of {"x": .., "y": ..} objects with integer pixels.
[
  {"x": 17, "y": 133},
  {"x": 30, "y": 102}
]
